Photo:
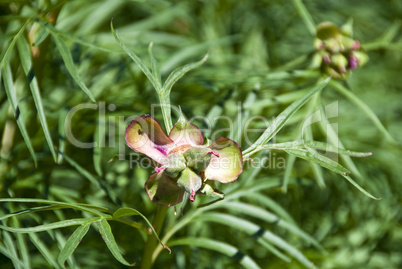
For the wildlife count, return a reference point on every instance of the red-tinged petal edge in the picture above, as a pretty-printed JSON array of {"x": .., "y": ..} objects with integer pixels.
[
  {"x": 163, "y": 190},
  {"x": 186, "y": 133},
  {"x": 145, "y": 135},
  {"x": 227, "y": 164}
]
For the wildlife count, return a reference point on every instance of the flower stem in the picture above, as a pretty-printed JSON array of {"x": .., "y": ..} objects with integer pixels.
[{"x": 152, "y": 242}]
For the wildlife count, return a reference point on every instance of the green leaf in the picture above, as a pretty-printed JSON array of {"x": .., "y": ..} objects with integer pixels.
[
  {"x": 46, "y": 253},
  {"x": 305, "y": 15},
  {"x": 365, "y": 108},
  {"x": 6, "y": 252},
  {"x": 9, "y": 243},
  {"x": 86, "y": 208},
  {"x": 99, "y": 137},
  {"x": 68, "y": 61},
  {"x": 26, "y": 62},
  {"x": 277, "y": 124},
  {"x": 107, "y": 235},
  {"x": 62, "y": 134},
  {"x": 317, "y": 145},
  {"x": 12, "y": 98},
  {"x": 30, "y": 210},
  {"x": 93, "y": 179},
  {"x": 218, "y": 246},
  {"x": 253, "y": 229},
  {"x": 360, "y": 188},
  {"x": 179, "y": 73},
  {"x": 266, "y": 216},
  {"x": 127, "y": 211},
  {"x": 312, "y": 156},
  {"x": 155, "y": 67},
  {"x": 40, "y": 35},
  {"x": 332, "y": 137},
  {"x": 72, "y": 243},
  {"x": 22, "y": 245},
  {"x": 290, "y": 161},
  {"x": 6, "y": 54},
  {"x": 50, "y": 226},
  {"x": 136, "y": 59}
]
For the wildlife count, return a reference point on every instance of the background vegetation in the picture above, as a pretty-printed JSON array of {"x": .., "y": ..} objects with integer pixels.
[{"x": 259, "y": 55}]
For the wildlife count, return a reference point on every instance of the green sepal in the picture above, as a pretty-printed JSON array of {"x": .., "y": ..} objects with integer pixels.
[
  {"x": 210, "y": 189},
  {"x": 174, "y": 165},
  {"x": 198, "y": 158},
  {"x": 189, "y": 180}
]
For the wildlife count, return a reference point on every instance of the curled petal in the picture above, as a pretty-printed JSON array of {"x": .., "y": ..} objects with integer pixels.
[
  {"x": 227, "y": 164},
  {"x": 186, "y": 133},
  {"x": 163, "y": 190},
  {"x": 145, "y": 135}
]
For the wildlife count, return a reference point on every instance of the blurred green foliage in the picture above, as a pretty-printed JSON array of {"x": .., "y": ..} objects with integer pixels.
[{"x": 259, "y": 56}]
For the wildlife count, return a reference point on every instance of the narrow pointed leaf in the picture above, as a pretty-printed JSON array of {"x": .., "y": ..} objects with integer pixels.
[
  {"x": 155, "y": 68},
  {"x": 7, "y": 53},
  {"x": 268, "y": 217},
  {"x": 365, "y": 108},
  {"x": 360, "y": 188},
  {"x": 30, "y": 210},
  {"x": 68, "y": 61},
  {"x": 180, "y": 72},
  {"x": 22, "y": 245},
  {"x": 126, "y": 211},
  {"x": 10, "y": 245},
  {"x": 108, "y": 237},
  {"x": 44, "y": 250},
  {"x": 62, "y": 135},
  {"x": 253, "y": 229},
  {"x": 50, "y": 226},
  {"x": 135, "y": 58},
  {"x": 12, "y": 98},
  {"x": 290, "y": 161},
  {"x": 218, "y": 246},
  {"x": 7, "y": 253},
  {"x": 277, "y": 124},
  {"x": 99, "y": 137},
  {"x": 93, "y": 179},
  {"x": 316, "y": 145},
  {"x": 72, "y": 243},
  {"x": 26, "y": 62},
  {"x": 332, "y": 137},
  {"x": 86, "y": 208},
  {"x": 312, "y": 156}
]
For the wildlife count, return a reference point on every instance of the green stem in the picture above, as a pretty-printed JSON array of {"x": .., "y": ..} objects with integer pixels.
[
  {"x": 303, "y": 12},
  {"x": 152, "y": 241}
]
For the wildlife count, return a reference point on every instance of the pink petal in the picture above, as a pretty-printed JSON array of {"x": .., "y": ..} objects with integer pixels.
[
  {"x": 163, "y": 190},
  {"x": 145, "y": 135},
  {"x": 227, "y": 164},
  {"x": 186, "y": 133}
]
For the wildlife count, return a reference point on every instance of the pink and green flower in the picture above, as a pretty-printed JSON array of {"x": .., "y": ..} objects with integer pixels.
[{"x": 185, "y": 163}]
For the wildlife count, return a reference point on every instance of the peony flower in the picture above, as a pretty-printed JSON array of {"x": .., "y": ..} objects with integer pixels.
[{"x": 185, "y": 164}]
